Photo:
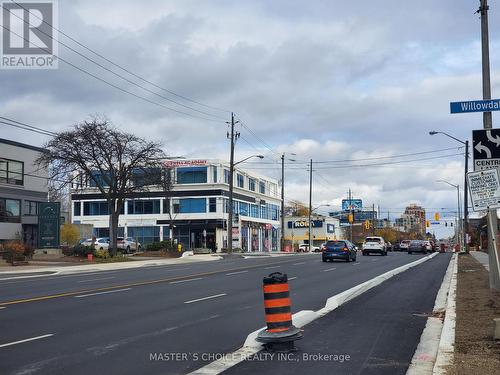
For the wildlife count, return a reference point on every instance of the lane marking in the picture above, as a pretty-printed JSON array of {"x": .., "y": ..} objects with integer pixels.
[
  {"x": 139, "y": 283},
  {"x": 102, "y": 278},
  {"x": 292, "y": 278},
  {"x": 296, "y": 264},
  {"x": 268, "y": 268},
  {"x": 205, "y": 298},
  {"x": 184, "y": 281},
  {"x": 26, "y": 340},
  {"x": 2, "y": 308},
  {"x": 99, "y": 293},
  {"x": 330, "y": 269},
  {"x": 356, "y": 264},
  {"x": 235, "y": 273}
]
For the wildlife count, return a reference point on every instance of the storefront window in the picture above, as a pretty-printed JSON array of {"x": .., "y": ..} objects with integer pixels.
[{"x": 144, "y": 235}]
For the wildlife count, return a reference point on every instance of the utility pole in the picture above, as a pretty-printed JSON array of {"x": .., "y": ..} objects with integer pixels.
[
  {"x": 488, "y": 124},
  {"x": 351, "y": 215},
  {"x": 232, "y": 136},
  {"x": 466, "y": 196},
  {"x": 310, "y": 203},
  {"x": 373, "y": 219},
  {"x": 282, "y": 241}
]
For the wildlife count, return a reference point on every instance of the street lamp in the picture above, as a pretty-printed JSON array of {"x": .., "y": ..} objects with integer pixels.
[
  {"x": 458, "y": 203},
  {"x": 231, "y": 188},
  {"x": 466, "y": 195}
]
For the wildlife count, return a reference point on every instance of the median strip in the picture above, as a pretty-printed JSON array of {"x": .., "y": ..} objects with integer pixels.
[
  {"x": 99, "y": 293},
  {"x": 205, "y": 298},
  {"x": 26, "y": 340}
]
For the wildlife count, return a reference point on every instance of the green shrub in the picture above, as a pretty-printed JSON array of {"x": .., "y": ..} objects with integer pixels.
[
  {"x": 81, "y": 250},
  {"x": 102, "y": 253},
  {"x": 165, "y": 245}
]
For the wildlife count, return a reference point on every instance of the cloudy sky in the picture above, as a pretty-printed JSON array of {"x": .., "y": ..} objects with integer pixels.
[{"x": 327, "y": 80}]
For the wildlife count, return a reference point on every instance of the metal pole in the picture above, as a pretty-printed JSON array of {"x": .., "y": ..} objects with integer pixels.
[
  {"x": 282, "y": 242},
  {"x": 231, "y": 187},
  {"x": 466, "y": 196},
  {"x": 458, "y": 224},
  {"x": 310, "y": 203},
  {"x": 488, "y": 124},
  {"x": 373, "y": 219},
  {"x": 350, "y": 213}
]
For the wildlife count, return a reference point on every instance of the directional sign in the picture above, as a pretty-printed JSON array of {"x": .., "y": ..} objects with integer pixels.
[
  {"x": 486, "y": 149},
  {"x": 484, "y": 187},
  {"x": 475, "y": 106}
]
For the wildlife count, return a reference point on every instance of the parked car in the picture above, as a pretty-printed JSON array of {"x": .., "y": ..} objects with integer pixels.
[
  {"x": 374, "y": 245},
  {"x": 341, "y": 249},
  {"x": 128, "y": 244},
  {"x": 403, "y": 245},
  {"x": 417, "y": 246},
  {"x": 304, "y": 248},
  {"x": 101, "y": 243}
]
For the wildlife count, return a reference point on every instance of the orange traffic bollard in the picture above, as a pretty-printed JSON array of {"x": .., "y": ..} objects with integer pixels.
[{"x": 280, "y": 333}]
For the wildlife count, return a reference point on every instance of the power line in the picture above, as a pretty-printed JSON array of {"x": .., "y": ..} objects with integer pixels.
[
  {"x": 23, "y": 126},
  {"x": 112, "y": 84},
  {"x": 121, "y": 67}
]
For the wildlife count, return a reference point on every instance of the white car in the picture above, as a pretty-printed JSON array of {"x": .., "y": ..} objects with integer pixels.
[
  {"x": 101, "y": 243},
  {"x": 428, "y": 245},
  {"x": 304, "y": 248},
  {"x": 374, "y": 244},
  {"x": 128, "y": 244},
  {"x": 404, "y": 245}
]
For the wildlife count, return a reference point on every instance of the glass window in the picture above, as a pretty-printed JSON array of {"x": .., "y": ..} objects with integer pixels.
[
  {"x": 251, "y": 184},
  {"x": 254, "y": 210},
  {"x": 77, "y": 208},
  {"x": 146, "y": 176},
  {"x": 144, "y": 235},
  {"x": 212, "y": 205},
  {"x": 143, "y": 207},
  {"x": 243, "y": 209},
  {"x": 192, "y": 175},
  {"x": 30, "y": 208},
  {"x": 214, "y": 175},
  {"x": 95, "y": 208},
  {"x": 240, "y": 180},
  {"x": 262, "y": 187},
  {"x": 226, "y": 176},
  {"x": 99, "y": 179},
  {"x": 11, "y": 172},
  {"x": 190, "y": 205},
  {"x": 10, "y": 210},
  {"x": 166, "y": 206}
]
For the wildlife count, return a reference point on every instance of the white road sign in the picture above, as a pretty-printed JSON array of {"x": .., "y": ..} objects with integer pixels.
[{"x": 484, "y": 187}]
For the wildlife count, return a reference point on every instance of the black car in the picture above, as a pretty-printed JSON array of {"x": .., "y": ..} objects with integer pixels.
[
  {"x": 417, "y": 246},
  {"x": 396, "y": 247},
  {"x": 342, "y": 249}
]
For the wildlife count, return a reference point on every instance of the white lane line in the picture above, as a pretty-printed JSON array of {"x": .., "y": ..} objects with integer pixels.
[
  {"x": 374, "y": 260},
  {"x": 292, "y": 278},
  {"x": 268, "y": 268},
  {"x": 356, "y": 264},
  {"x": 185, "y": 281},
  {"x": 296, "y": 264},
  {"x": 235, "y": 273},
  {"x": 330, "y": 269},
  {"x": 26, "y": 340},
  {"x": 205, "y": 298},
  {"x": 99, "y": 293},
  {"x": 102, "y": 278},
  {"x": 2, "y": 308}
]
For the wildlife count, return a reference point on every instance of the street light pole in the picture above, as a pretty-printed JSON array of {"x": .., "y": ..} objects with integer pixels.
[
  {"x": 457, "y": 225},
  {"x": 466, "y": 193},
  {"x": 282, "y": 240},
  {"x": 231, "y": 188},
  {"x": 310, "y": 203}
]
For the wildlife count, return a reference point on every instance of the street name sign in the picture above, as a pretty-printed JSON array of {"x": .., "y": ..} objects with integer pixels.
[
  {"x": 484, "y": 187},
  {"x": 486, "y": 148},
  {"x": 475, "y": 106}
]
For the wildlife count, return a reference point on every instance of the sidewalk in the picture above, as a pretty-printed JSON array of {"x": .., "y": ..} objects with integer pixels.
[
  {"x": 481, "y": 258},
  {"x": 39, "y": 270}
]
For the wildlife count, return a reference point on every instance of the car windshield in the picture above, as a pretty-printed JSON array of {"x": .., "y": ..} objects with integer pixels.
[
  {"x": 372, "y": 239},
  {"x": 415, "y": 242},
  {"x": 336, "y": 244}
]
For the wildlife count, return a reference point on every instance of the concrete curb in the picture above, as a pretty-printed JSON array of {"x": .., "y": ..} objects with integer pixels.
[
  {"x": 425, "y": 355},
  {"x": 251, "y": 346},
  {"x": 68, "y": 270},
  {"x": 446, "y": 347}
]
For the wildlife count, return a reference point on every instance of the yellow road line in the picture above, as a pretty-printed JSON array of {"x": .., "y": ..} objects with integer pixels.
[{"x": 140, "y": 283}]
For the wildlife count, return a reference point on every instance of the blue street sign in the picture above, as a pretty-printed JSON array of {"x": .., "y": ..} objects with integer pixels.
[{"x": 475, "y": 106}]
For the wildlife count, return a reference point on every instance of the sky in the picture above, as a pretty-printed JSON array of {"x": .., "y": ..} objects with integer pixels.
[{"x": 324, "y": 80}]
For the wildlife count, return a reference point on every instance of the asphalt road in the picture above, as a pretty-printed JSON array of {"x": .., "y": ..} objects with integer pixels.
[{"x": 111, "y": 322}]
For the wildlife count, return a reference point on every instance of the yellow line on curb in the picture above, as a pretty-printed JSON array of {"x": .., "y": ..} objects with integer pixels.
[{"x": 140, "y": 283}]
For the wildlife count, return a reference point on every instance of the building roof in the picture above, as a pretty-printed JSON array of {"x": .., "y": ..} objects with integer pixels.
[{"x": 22, "y": 145}]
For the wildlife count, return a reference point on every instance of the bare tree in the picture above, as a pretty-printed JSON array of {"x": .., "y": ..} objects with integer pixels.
[{"x": 117, "y": 163}]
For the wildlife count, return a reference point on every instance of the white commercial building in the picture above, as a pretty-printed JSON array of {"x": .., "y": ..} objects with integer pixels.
[
  {"x": 323, "y": 229},
  {"x": 196, "y": 207}
]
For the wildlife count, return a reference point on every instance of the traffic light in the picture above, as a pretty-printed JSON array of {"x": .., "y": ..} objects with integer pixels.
[
  {"x": 436, "y": 216},
  {"x": 427, "y": 223},
  {"x": 351, "y": 218},
  {"x": 451, "y": 224},
  {"x": 445, "y": 223},
  {"x": 367, "y": 224}
]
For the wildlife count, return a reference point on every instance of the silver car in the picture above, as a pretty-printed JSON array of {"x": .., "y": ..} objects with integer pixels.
[{"x": 128, "y": 244}]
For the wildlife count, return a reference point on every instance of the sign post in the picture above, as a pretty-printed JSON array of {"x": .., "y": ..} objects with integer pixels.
[
  {"x": 48, "y": 224},
  {"x": 486, "y": 149},
  {"x": 484, "y": 187}
]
